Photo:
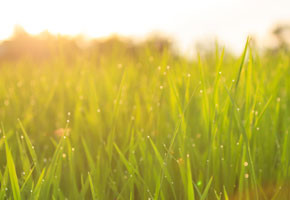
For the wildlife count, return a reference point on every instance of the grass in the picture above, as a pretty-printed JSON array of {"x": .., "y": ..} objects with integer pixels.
[{"x": 149, "y": 125}]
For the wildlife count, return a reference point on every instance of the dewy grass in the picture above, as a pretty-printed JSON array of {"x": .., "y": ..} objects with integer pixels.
[{"x": 148, "y": 125}]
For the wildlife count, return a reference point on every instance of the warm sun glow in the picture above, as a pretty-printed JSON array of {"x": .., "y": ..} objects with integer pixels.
[
  {"x": 187, "y": 21},
  {"x": 144, "y": 99}
]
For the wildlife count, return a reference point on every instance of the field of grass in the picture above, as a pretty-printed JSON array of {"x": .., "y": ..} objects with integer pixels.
[{"x": 148, "y": 125}]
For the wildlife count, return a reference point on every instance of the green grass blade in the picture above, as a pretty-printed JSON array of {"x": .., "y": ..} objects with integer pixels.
[
  {"x": 37, "y": 188},
  {"x": 242, "y": 62},
  {"x": 94, "y": 195},
  {"x": 205, "y": 192},
  {"x": 190, "y": 189},
  {"x": 12, "y": 173},
  {"x": 30, "y": 147}
]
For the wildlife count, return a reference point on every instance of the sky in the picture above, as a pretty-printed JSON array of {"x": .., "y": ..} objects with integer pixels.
[{"x": 187, "y": 21}]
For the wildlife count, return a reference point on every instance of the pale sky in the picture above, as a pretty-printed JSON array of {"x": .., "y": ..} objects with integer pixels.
[{"x": 187, "y": 21}]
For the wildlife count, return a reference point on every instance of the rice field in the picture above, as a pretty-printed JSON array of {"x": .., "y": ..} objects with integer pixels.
[{"x": 146, "y": 124}]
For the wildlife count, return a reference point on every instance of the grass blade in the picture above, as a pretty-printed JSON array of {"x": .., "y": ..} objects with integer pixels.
[
  {"x": 12, "y": 173},
  {"x": 205, "y": 192}
]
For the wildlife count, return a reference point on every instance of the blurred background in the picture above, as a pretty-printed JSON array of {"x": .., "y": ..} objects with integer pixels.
[{"x": 32, "y": 25}]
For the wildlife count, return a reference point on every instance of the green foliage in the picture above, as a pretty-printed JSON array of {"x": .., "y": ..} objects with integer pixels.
[{"x": 145, "y": 124}]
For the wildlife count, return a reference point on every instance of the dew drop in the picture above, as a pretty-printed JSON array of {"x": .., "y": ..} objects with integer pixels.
[{"x": 198, "y": 183}]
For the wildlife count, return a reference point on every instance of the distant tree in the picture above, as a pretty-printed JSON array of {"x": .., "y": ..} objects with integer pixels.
[
  {"x": 282, "y": 34},
  {"x": 45, "y": 45}
]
